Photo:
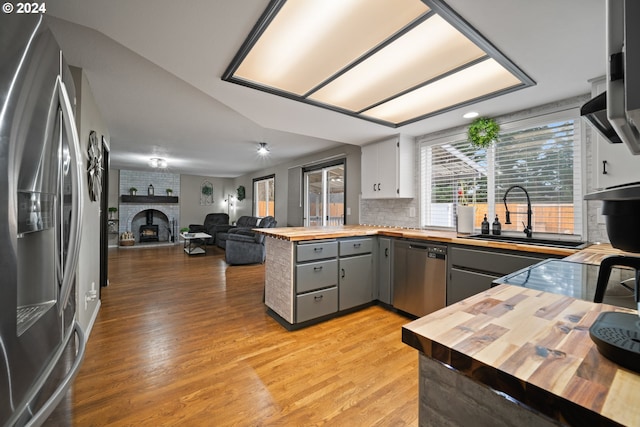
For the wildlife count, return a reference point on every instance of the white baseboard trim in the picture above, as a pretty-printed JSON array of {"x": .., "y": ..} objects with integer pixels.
[{"x": 94, "y": 316}]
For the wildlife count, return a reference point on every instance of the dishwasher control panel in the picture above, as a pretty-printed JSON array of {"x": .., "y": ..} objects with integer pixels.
[{"x": 437, "y": 252}]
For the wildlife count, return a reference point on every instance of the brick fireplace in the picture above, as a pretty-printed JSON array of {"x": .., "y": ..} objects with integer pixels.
[{"x": 150, "y": 218}]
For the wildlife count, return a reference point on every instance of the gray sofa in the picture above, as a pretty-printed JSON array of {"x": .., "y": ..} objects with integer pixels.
[
  {"x": 213, "y": 223},
  {"x": 246, "y": 246},
  {"x": 243, "y": 223}
]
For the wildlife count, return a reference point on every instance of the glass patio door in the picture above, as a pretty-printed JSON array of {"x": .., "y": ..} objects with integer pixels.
[{"x": 324, "y": 196}]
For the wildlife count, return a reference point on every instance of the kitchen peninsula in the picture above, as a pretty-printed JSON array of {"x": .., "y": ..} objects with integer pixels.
[{"x": 318, "y": 247}]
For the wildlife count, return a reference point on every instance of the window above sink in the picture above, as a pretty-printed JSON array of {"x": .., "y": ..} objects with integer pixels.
[{"x": 541, "y": 154}]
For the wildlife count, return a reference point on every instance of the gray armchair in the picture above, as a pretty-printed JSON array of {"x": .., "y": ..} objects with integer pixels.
[
  {"x": 243, "y": 223},
  {"x": 213, "y": 223},
  {"x": 247, "y": 246}
]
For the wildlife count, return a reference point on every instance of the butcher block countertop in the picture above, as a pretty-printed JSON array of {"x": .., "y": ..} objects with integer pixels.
[
  {"x": 296, "y": 234},
  {"x": 595, "y": 253},
  {"x": 535, "y": 347}
]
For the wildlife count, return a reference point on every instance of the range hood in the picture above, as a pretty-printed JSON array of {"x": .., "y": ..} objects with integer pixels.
[{"x": 616, "y": 112}]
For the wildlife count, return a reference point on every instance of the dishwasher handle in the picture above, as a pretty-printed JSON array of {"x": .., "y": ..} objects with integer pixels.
[{"x": 418, "y": 246}]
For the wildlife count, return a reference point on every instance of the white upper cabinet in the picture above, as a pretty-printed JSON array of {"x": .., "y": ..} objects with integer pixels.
[
  {"x": 614, "y": 163},
  {"x": 387, "y": 169}
]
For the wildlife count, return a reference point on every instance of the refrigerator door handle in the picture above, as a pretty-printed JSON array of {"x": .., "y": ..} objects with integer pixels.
[
  {"x": 54, "y": 400},
  {"x": 76, "y": 206}
]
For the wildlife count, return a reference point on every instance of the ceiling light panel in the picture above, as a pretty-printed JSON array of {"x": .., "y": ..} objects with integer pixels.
[
  {"x": 388, "y": 61},
  {"x": 310, "y": 40},
  {"x": 401, "y": 65},
  {"x": 456, "y": 89}
]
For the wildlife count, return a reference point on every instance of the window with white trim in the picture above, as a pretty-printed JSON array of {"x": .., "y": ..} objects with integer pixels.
[{"x": 541, "y": 154}]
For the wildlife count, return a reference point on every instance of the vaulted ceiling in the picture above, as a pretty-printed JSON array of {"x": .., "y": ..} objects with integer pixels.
[{"x": 155, "y": 70}]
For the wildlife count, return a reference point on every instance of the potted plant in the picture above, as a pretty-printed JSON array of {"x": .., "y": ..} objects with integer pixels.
[
  {"x": 112, "y": 210},
  {"x": 483, "y": 132},
  {"x": 133, "y": 191},
  {"x": 169, "y": 191}
]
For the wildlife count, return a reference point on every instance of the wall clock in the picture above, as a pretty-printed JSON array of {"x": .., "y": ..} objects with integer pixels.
[{"x": 94, "y": 167}]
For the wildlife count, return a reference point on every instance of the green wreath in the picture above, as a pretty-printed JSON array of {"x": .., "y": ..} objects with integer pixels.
[
  {"x": 483, "y": 131},
  {"x": 241, "y": 194}
]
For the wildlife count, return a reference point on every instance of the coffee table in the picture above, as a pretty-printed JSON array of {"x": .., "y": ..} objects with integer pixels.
[{"x": 194, "y": 243}]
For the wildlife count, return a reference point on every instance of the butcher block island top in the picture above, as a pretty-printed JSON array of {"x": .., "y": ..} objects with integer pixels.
[
  {"x": 296, "y": 234},
  {"x": 533, "y": 346}
]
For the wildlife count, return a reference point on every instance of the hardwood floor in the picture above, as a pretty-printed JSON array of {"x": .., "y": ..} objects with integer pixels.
[{"x": 185, "y": 340}]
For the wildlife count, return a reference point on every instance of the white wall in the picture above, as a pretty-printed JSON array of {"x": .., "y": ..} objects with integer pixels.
[
  {"x": 88, "y": 118},
  {"x": 191, "y": 211},
  {"x": 352, "y": 192}
]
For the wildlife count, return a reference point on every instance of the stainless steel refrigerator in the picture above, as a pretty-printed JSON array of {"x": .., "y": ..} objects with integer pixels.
[{"x": 41, "y": 344}]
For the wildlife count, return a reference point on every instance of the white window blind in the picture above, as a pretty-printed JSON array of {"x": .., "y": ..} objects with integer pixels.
[{"x": 540, "y": 154}]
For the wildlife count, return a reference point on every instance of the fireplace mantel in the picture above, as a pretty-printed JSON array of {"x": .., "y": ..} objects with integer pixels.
[{"x": 125, "y": 198}]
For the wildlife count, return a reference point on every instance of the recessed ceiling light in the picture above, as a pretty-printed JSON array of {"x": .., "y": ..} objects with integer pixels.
[
  {"x": 263, "y": 150},
  {"x": 399, "y": 61},
  {"x": 471, "y": 115}
]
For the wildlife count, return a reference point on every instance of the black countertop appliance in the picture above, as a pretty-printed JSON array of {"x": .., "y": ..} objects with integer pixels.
[{"x": 616, "y": 334}]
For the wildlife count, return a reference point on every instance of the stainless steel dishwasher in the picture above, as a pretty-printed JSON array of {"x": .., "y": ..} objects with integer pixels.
[{"x": 419, "y": 277}]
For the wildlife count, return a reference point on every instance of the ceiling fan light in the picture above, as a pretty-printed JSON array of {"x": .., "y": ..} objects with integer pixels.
[{"x": 157, "y": 162}]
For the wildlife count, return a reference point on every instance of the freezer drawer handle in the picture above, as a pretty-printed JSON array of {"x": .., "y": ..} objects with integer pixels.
[
  {"x": 317, "y": 268},
  {"x": 57, "y": 396}
]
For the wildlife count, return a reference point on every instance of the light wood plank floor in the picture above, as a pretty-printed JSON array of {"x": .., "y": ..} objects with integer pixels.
[{"x": 185, "y": 340}]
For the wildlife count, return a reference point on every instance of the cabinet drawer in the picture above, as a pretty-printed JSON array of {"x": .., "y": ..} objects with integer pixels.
[
  {"x": 355, "y": 246},
  {"x": 463, "y": 284},
  {"x": 316, "y": 304},
  {"x": 493, "y": 262},
  {"x": 313, "y": 251},
  {"x": 316, "y": 275}
]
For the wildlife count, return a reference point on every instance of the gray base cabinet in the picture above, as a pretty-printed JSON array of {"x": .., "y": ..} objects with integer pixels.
[
  {"x": 355, "y": 283},
  {"x": 316, "y": 280},
  {"x": 332, "y": 275},
  {"x": 472, "y": 271}
]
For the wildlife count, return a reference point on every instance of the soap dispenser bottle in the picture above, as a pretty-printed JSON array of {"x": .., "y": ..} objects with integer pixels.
[
  {"x": 485, "y": 225},
  {"x": 496, "y": 227}
]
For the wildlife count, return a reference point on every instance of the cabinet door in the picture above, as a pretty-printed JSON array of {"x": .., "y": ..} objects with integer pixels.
[
  {"x": 356, "y": 281},
  {"x": 387, "y": 186},
  {"x": 384, "y": 270},
  {"x": 369, "y": 171},
  {"x": 615, "y": 164}
]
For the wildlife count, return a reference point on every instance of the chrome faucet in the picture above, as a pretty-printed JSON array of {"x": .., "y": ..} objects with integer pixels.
[{"x": 527, "y": 228}]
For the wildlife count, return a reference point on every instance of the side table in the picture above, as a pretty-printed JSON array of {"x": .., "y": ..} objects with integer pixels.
[{"x": 194, "y": 243}]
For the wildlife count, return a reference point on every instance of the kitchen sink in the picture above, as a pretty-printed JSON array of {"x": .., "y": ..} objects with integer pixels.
[{"x": 530, "y": 241}]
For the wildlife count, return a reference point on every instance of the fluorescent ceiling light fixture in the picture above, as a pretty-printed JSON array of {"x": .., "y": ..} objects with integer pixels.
[
  {"x": 388, "y": 61},
  {"x": 157, "y": 162},
  {"x": 263, "y": 150}
]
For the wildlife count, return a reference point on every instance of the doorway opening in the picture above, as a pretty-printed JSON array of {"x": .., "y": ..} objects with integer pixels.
[{"x": 324, "y": 194}]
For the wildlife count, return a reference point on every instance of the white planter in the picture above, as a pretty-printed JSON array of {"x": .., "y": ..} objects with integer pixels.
[{"x": 466, "y": 218}]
